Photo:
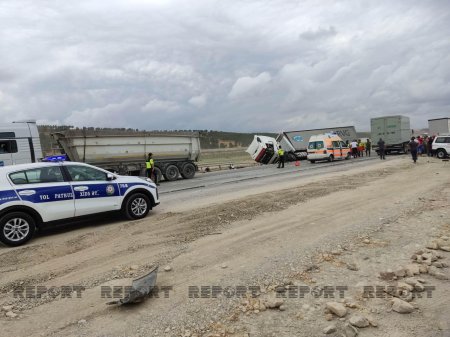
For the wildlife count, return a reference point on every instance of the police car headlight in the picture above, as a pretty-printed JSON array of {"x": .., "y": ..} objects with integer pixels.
[{"x": 146, "y": 179}]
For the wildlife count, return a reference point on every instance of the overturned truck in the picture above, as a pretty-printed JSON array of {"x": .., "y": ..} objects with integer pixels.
[{"x": 125, "y": 152}]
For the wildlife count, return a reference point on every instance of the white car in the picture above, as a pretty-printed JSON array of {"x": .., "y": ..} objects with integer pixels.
[
  {"x": 441, "y": 146},
  {"x": 33, "y": 194}
]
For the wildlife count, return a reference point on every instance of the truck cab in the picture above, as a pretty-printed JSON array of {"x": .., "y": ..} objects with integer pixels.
[{"x": 19, "y": 143}]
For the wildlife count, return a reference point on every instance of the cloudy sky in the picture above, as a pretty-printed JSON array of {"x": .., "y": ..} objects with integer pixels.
[{"x": 236, "y": 65}]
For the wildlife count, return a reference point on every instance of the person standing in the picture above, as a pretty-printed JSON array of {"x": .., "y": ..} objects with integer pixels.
[
  {"x": 280, "y": 157},
  {"x": 381, "y": 149},
  {"x": 150, "y": 168},
  {"x": 354, "y": 146},
  {"x": 413, "y": 146},
  {"x": 430, "y": 146},
  {"x": 368, "y": 147},
  {"x": 420, "y": 145}
]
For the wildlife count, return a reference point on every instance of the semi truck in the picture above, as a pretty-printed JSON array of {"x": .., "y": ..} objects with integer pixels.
[
  {"x": 295, "y": 143},
  {"x": 439, "y": 126},
  {"x": 175, "y": 153},
  {"x": 263, "y": 149},
  {"x": 19, "y": 143},
  {"x": 394, "y": 130}
]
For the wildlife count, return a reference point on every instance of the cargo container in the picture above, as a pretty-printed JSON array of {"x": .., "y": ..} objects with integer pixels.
[
  {"x": 175, "y": 153},
  {"x": 394, "y": 130},
  {"x": 439, "y": 126}
]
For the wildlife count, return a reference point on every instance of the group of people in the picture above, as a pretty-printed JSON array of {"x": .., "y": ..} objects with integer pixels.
[
  {"x": 358, "y": 148},
  {"x": 420, "y": 146}
]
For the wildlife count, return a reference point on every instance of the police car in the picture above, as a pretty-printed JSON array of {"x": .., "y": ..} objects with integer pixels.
[{"x": 32, "y": 194}]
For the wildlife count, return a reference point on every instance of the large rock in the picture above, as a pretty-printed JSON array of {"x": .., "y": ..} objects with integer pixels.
[
  {"x": 401, "y": 307},
  {"x": 350, "y": 330},
  {"x": 337, "y": 308},
  {"x": 433, "y": 271},
  {"x": 405, "y": 286},
  {"x": 329, "y": 329},
  {"x": 274, "y": 303},
  {"x": 359, "y": 321},
  {"x": 412, "y": 269},
  {"x": 387, "y": 275}
]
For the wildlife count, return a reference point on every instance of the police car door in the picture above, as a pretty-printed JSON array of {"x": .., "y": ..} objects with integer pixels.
[
  {"x": 94, "y": 193},
  {"x": 45, "y": 190}
]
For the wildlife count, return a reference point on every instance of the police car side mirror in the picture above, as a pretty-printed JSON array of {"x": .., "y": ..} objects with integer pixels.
[{"x": 110, "y": 176}]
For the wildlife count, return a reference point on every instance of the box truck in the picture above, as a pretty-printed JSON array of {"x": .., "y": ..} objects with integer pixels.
[
  {"x": 125, "y": 152},
  {"x": 19, "y": 143},
  {"x": 394, "y": 130},
  {"x": 439, "y": 126}
]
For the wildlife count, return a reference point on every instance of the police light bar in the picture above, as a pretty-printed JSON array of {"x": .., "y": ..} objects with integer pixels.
[{"x": 57, "y": 158}]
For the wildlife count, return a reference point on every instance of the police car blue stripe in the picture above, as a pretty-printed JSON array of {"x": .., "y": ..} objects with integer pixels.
[
  {"x": 8, "y": 196},
  {"x": 47, "y": 194}
]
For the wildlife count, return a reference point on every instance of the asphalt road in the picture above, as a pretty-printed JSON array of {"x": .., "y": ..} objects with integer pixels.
[{"x": 216, "y": 183}]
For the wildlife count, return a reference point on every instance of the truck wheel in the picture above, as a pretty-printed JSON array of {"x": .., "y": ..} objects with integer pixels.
[
  {"x": 441, "y": 154},
  {"x": 158, "y": 175},
  {"x": 347, "y": 157},
  {"x": 137, "y": 206},
  {"x": 188, "y": 171},
  {"x": 291, "y": 157},
  {"x": 331, "y": 158},
  {"x": 16, "y": 228},
  {"x": 172, "y": 173},
  {"x": 312, "y": 161}
]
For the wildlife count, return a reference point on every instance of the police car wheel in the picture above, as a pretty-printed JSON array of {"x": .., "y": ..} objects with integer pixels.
[
  {"x": 137, "y": 207},
  {"x": 16, "y": 228}
]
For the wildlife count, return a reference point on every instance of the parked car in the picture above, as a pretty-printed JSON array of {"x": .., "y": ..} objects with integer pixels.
[
  {"x": 441, "y": 146},
  {"x": 33, "y": 194}
]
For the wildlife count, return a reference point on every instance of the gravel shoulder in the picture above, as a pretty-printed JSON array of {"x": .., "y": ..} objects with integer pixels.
[{"x": 301, "y": 232}]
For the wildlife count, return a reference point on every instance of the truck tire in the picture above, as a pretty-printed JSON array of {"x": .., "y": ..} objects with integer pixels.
[
  {"x": 331, "y": 158},
  {"x": 188, "y": 171},
  {"x": 312, "y": 161},
  {"x": 441, "y": 153},
  {"x": 291, "y": 157},
  {"x": 137, "y": 206},
  {"x": 16, "y": 228},
  {"x": 171, "y": 173},
  {"x": 158, "y": 175}
]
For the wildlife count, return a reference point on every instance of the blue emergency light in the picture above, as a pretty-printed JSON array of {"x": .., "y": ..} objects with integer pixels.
[{"x": 57, "y": 158}]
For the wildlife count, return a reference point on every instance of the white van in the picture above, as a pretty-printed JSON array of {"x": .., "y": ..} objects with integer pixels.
[{"x": 19, "y": 143}]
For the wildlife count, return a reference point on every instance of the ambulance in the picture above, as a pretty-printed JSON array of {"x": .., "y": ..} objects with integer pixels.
[{"x": 328, "y": 146}]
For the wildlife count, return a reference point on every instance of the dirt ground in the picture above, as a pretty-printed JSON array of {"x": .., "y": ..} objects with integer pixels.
[{"x": 316, "y": 235}]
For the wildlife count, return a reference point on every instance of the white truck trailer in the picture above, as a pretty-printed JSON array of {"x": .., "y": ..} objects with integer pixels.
[
  {"x": 19, "y": 143},
  {"x": 175, "y": 153},
  {"x": 394, "y": 130},
  {"x": 295, "y": 143},
  {"x": 439, "y": 126}
]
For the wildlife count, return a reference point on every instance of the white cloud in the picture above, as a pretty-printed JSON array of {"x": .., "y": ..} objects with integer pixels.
[
  {"x": 198, "y": 101},
  {"x": 248, "y": 86},
  {"x": 210, "y": 64}
]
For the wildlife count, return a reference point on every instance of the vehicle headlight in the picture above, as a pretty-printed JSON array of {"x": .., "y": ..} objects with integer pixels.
[{"x": 146, "y": 179}]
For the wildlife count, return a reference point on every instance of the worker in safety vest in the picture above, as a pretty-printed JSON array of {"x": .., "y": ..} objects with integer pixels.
[
  {"x": 280, "y": 157},
  {"x": 150, "y": 169}
]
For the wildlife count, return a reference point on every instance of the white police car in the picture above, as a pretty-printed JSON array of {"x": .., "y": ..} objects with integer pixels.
[{"x": 32, "y": 194}]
